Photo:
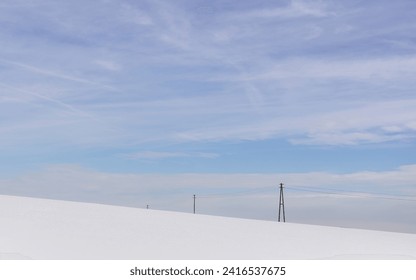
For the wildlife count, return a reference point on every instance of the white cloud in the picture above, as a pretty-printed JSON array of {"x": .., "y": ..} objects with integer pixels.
[
  {"x": 375, "y": 69},
  {"x": 364, "y": 124},
  {"x": 350, "y": 126}
]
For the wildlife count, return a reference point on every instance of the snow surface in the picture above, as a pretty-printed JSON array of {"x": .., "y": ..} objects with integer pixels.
[{"x": 49, "y": 229}]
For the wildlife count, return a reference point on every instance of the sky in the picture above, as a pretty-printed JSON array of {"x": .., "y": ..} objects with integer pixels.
[{"x": 142, "y": 103}]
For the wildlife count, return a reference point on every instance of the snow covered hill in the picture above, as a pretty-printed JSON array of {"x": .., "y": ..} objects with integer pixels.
[{"x": 49, "y": 229}]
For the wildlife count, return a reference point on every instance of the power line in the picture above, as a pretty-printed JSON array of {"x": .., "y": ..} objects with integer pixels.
[
  {"x": 348, "y": 193},
  {"x": 310, "y": 189},
  {"x": 239, "y": 193}
]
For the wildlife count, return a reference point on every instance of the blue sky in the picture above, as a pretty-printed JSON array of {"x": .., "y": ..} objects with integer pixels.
[{"x": 217, "y": 89}]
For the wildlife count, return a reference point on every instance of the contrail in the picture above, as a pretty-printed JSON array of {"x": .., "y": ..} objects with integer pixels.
[
  {"x": 52, "y": 100},
  {"x": 57, "y": 75}
]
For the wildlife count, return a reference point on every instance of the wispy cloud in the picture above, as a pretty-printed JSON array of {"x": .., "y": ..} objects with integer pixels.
[
  {"x": 304, "y": 72},
  {"x": 374, "y": 69},
  {"x": 295, "y": 9},
  {"x": 108, "y": 65},
  {"x": 153, "y": 155},
  {"x": 131, "y": 14},
  {"x": 367, "y": 123}
]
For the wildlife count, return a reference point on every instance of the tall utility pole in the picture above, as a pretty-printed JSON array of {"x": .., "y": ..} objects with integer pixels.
[
  {"x": 281, "y": 204},
  {"x": 194, "y": 203}
]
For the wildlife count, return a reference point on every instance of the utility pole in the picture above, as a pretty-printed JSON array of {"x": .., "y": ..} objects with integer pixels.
[
  {"x": 194, "y": 203},
  {"x": 281, "y": 204}
]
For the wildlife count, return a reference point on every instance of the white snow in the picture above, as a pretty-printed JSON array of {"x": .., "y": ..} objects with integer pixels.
[{"x": 49, "y": 229}]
